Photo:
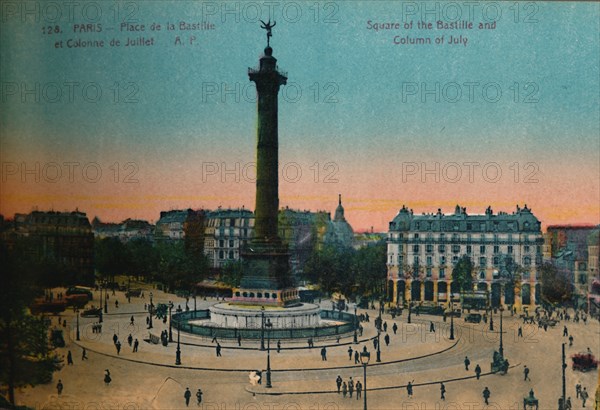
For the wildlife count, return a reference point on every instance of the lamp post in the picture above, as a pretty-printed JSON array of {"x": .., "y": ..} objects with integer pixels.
[
  {"x": 378, "y": 360},
  {"x": 129, "y": 290},
  {"x": 178, "y": 351},
  {"x": 365, "y": 356},
  {"x": 106, "y": 296},
  {"x": 170, "y": 327},
  {"x": 562, "y": 400},
  {"x": 150, "y": 312},
  {"x": 491, "y": 314},
  {"x": 77, "y": 319},
  {"x": 355, "y": 325},
  {"x": 409, "y": 310},
  {"x": 501, "y": 349},
  {"x": 451, "y": 318},
  {"x": 262, "y": 328},
  {"x": 269, "y": 325}
]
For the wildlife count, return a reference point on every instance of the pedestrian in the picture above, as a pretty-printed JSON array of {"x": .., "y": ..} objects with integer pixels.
[
  {"x": 526, "y": 373},
  {"x": 59, "y": 387},
  {"x": 409, "y": 389},
  {"x": 350, "y": 353},
  {"x": 147, "y": 320},
  {"x": 443, "y": 391},
  {"x": 187, "y": 396},
  {"x": 431, "y": 327},
  {"x": 132, "y": 320},
  {"x": 84, "y": 354},
  {"x": 385, "y": 326},
  {"x": 358, "y": 389},
  {"x": 520, "y": 332},
  {"x": 568, "y": 406},
  {"x": 387, "y": 339},
  {"x": 338, "y": 383},
  {"x": 324, "y": 354},
  {"x": 65, "y": 323},
  {"x": 584, "y": 396},
  {"x": 486, "y": 395},
  {"x": 395, "y": 328},
  {"x": 107, "y": 378},
  {"x": 467, "y": 363},
  {"x": 375, "y": 344},
  {"x": 199, "y": 397},
  {"x": 239, "y": 339},
  {"x": 278, "y": 346},
  {"x": 344, "y": 389},
  {"x": 218, "y": 350},
  {"x": 214, "y": 339},
  {"x": 135, "y": 345},
  {"x": 118, "y": 346},
  {"x": 350, "y": 386},
  {"x": 115, "y": 338},
  {"x": 129, "y": 339},
  {"x": 477, "y": 371},
  {"x": 356, "y": 357},
  {"x": 116, "y": 304},
  {"x": 570, "y": 340},
  {"x": 565, "y": 332},
  {"x": 578, "y": 389},
  {"x": 69, "y": 358}
]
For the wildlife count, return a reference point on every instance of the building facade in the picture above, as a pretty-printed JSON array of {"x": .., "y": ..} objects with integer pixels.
[
  {"x": 226, "y": 232},
  {"x": 505, "y": 251}
]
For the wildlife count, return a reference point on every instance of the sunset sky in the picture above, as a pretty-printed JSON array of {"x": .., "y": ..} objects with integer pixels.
[{"x": 356, "y": 117}]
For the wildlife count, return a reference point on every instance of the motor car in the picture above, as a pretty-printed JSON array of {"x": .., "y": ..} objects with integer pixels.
[{"x": 473, "y": 318}]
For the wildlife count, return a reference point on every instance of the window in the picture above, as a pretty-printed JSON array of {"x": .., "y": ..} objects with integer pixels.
[
  {"x": 231, "y": 242},
  {"x": 455, "y": 259},
  {"x": 429, "y": 261},
  {"x": 416, "y": 236},
  {"x": 428, "y": 272},
  {"x": 230, "y": 255},
  {"x": 442, "y": 248},
  {"x": 496, "y": 249},
  {"x": 482, "y": 275},
  {"x": 469, "y": 226},
  {"x": 442, "y": 260},
  {"x": 526, "y": 249},
  {"x": 416, "y": 248},
  {"x": 417, "y": 225},
  {"x": 482, "y": 261},
  {"x": 442, "y": 237},
  {"x": 496, "y": 261},
  {"x": 510, "y": 249},
  {"x": 526, "y": 275},
  {"x": 495, "y": 236},
  {"x": 221, "y": 255},
  {"x": 455, "y": 248},
  {"x": 469, "y": 249},
  {"x": 221, "y": 243},
  {"x": 469, "y": 237},
  {"x": 416, "y": 261},
  {"x": 429, "y": 248},
  {"x": 527, "y": 261},
  {"x": 231, "y": 221},
  {"x": 482, "y": 249},
  {"x": 442, "y": 273}
]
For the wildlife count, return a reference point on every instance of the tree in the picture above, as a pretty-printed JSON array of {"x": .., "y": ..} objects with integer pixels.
[
  {"x": 177, "y": 268},
  {"x": 25, "y": 355},
  {"x": 463, "y": 273},
  {"x": 231, "y": 273},
  {"x": 111, "y": 257},
  {"x": 557, "y": 283}
]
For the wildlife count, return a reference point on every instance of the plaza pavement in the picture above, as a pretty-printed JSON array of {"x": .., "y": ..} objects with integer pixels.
[{"x": 301, "y": 380}]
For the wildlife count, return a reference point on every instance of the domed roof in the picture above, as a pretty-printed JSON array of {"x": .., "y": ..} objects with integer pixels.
[{"x": 339, "y": 231}]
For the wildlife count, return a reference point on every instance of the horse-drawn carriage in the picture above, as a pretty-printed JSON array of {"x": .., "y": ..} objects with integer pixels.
[{"x": 584, "y": 362}]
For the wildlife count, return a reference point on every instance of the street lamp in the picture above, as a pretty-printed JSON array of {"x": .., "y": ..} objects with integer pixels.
[
  {"x": 77, "y": 318},
  {"x": 562, "y": 401},
  {"x": 365, "y": 356},
  {"x": 501, "y": 349},
  {"x": 378, "y": 335},
  {"x": 178, "y": 352},
  {"x": 106, "y": 296},
  {"x": 150, "y": 311},
  {"x": 262, "y": 328},
  {"x": 409, "y": 310},
  {"x": 170, "y": 327},
  {"x": 451, "y": 318},
  {"x": 269, "y": 325},
  {"x": 355, "y": 325}
]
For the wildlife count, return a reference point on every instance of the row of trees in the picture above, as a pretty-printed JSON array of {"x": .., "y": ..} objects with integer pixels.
[
  {"x": 168, "y": 262},
  {"x": 349, "y": 271}
]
